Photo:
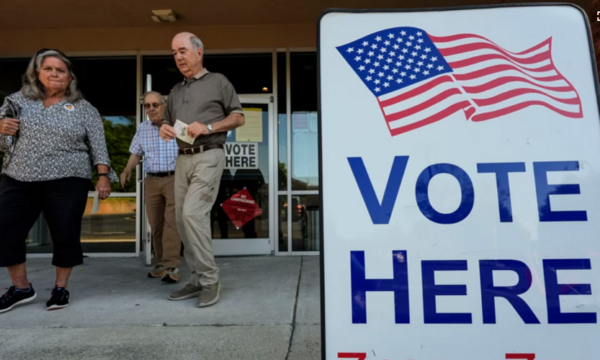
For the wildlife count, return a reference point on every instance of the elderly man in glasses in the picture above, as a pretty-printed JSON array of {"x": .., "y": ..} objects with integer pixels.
[{"x": 159, "y": 163}]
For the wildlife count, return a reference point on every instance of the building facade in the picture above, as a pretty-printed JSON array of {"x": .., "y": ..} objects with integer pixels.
[{"x": 266, "y": 48}]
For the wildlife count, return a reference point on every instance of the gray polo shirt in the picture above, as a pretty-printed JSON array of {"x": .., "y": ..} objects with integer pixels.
[{"x": 206, "y": 98}]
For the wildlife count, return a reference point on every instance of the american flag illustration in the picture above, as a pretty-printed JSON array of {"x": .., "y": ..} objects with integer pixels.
[{"x": 419, "y": 79}]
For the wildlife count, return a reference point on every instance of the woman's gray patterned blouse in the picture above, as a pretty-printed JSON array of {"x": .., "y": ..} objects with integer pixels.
[{"x": 52, "y": 144}]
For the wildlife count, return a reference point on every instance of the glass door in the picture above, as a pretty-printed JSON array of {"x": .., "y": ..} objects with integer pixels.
[{"x": 242, "y": 220}]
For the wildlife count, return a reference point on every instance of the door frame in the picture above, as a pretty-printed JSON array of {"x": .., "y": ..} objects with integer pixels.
[
  {"x": 144, "y": 234},
  {"x": 260, "y": 246}
]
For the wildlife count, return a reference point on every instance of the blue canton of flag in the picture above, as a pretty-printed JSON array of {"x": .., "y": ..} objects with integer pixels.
[{"x": 393, "y": 59}]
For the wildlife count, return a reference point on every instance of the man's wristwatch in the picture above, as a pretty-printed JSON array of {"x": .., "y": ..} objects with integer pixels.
[{"x": 210, "y": 128}]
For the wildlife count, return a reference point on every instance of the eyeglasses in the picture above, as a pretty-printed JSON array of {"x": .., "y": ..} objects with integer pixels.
[{"x": 153, "y": 105}]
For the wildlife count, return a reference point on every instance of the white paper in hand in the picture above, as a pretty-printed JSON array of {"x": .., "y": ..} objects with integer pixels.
[{"x": 181, "y": 131}]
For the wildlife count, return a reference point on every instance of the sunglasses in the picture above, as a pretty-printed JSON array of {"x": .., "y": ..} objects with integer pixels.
[
  {"x": 47, "y": 49},
  {"x": 153, "y": 105}
]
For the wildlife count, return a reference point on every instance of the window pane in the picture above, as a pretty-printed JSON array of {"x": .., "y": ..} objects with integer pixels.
[
  {"x": 117, "y": 106},
  {"x": 241, "y": 210},
  {"x": 305, "y": 223},
  {"x": 283, "y": 224},
  {"x": 11, "y": 71},
  {"x": 112, "y": 228},
  {"x": 305, "y": 145},
  {"x": 248, "y": 73},
  {"x": 282, "y": 121}
]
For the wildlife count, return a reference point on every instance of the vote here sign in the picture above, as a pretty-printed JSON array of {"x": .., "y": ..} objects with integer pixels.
[{"x": 460, "y": 157}]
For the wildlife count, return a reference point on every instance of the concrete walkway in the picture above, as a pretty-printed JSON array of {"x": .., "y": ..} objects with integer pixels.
[{"x": 269, "y": 309}]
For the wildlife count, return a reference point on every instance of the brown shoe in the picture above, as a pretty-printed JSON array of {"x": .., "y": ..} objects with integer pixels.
[
  {"x": 158, "y": 272},
  {"x": 171, "y": 275},
  {"x": 209, "y": 295}
]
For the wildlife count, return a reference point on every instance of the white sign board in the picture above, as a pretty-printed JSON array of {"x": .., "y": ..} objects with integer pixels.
[
  {"x": 460, "y": 158},
  {"x": 241, "y": 155}
]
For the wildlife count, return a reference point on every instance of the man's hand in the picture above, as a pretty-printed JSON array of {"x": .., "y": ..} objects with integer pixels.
[
  {"x": 125, "y": 177},
  {"x": 196, "y": 129},
  {"x": 9, "y": 126},
  {"x": 167, "y": 132}
]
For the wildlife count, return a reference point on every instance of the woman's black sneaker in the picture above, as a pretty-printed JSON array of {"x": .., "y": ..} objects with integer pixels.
[
  {"x": 59, "y": 299},
  {"x": 14, "y": 297}
]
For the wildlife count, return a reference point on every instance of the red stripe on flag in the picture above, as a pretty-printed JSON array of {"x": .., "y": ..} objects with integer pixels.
[
  {"x": 517, "y": 92},
  {"x": 469, "y": 112},
  {"x": 416, "y": 91},
  {"x": 499, "y": 68},
  {"x": 422, "y": 106},
  {"x": 523, "y": 105},
  {"x": 477, "y": 46},
  {"x": 477, "y": 59},
  {"x": 431, "y": 119},
  {"x": 443, "y": 39},
  {"x": 505, "y": 80}
]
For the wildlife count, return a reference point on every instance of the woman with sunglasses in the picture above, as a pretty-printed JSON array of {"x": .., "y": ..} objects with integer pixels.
[{"x": 49, "y": 153}]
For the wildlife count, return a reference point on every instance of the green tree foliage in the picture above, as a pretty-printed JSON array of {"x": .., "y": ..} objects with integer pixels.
[
  {"x": 118, "y": 139},
  {"x": 282, "y": 175}
]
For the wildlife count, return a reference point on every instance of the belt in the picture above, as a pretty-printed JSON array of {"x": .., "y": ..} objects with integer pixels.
[
  {"x": 200, "y": 149},
  {"x": 161, "y": 174}
]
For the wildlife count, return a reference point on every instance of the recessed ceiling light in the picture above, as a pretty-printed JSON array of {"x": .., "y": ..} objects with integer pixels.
[{"x": 164, "y": 15}]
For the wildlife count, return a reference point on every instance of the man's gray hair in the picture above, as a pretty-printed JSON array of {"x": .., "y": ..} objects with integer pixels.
[
  {"x": 34, "y": 89},
  {"x": 162, "y": 98},
  {"x": 196, "y": 43}
]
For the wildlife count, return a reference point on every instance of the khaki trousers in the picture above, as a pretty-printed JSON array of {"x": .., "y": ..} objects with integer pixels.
[
  {"x": 159, "y": 194},
  {"x": 197, "y": 182}
]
